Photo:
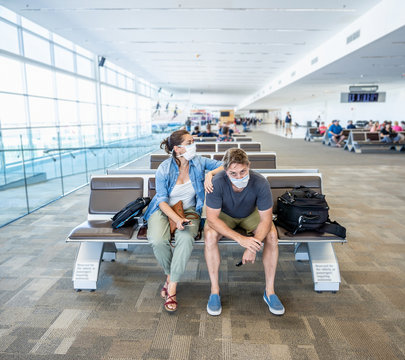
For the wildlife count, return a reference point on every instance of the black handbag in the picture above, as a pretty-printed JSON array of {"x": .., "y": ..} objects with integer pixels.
[
  {"x": 127, "y": 215},
  {"x": 303, "y": 209}
]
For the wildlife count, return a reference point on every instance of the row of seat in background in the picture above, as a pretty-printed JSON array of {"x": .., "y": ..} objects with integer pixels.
[{"x": 357, "y": 140}]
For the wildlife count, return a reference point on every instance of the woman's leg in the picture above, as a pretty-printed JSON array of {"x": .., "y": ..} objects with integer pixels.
[
  {"x": 159, "y": 237},
  {"x": 184, "y": 246}
]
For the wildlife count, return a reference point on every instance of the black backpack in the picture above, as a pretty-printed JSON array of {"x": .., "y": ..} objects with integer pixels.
[
  {"x": 127, "y": 215},
  {"x": 303, "y": 209}
]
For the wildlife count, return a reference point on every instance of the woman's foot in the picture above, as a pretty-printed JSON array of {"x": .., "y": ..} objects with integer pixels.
[
  {"x": 171, "y": 303},
  {"x": 163, "y": 292}
]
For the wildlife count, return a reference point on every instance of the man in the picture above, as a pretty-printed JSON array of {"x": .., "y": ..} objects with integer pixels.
[
  {"x": 188, "y": 124},
  {"x": 288, "y": 120},
  {"x": 350, "y": 125},
  {"x": 336, "y": 133},
  {"x": 241, "y": 198},
  {"x": 208, "y": 132}
]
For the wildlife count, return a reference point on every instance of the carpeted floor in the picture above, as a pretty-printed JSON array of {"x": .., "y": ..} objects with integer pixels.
[{"x": 42, "y": 317}]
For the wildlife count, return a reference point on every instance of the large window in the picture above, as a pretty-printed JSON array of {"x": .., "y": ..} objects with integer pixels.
[{"x": 55, "y": 103}]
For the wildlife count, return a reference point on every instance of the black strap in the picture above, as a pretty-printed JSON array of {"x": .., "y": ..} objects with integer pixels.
[{"x": 333, "y": 227}]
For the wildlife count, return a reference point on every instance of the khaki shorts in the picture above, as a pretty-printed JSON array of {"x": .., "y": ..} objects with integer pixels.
[{"x": 249, "y": 223}]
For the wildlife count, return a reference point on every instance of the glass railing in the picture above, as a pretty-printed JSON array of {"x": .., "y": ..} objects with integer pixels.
[{"x": 42, "y": 175}]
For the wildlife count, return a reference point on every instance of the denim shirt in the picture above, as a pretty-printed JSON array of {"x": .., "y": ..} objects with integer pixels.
[{"x": 166, "y": 177}]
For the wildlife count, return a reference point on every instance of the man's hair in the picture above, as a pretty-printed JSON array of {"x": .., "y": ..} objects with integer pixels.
[{"x": 235, "y": 156}]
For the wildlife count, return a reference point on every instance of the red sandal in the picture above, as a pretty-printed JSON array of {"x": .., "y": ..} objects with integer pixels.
[
  {"x": 164, "y": 292},
  {"x": 169, "y": 301}
]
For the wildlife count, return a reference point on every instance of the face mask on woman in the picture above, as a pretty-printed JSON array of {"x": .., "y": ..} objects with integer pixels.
[
  {"x": 240, "y": 183},
  {"x": 190, "y": 151}
]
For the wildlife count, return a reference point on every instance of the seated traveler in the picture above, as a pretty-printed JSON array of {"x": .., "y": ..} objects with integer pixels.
[
  {"x": 225, "y": 135},
  {"x": 388, "y": 135},
  {"x": 208, "y": 132},
  {"x": 397, "y": 127},
  {"x": 350, "y": 125},
  {"x": 369, "y": 125},
  {"x": 196, "y": 131},
  {"x": 375, "y": 127},
  {"x": 181, "y": 177},
  {"x": 322, "y": 128},
  {"x": 241, "y": 198},
  {"x": 335, "y": 132}
]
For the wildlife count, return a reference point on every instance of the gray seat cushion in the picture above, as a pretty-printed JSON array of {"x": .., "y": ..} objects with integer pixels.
[
  {"x": 284, "y": 235},
  {"x": 100, "y": 229}
]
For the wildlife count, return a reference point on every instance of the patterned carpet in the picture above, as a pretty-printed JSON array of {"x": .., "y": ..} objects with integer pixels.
[{"x": 42, "y": 317}]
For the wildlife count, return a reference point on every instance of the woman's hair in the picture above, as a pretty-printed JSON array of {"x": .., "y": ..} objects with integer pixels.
[
  {"x": 396, "y": 123},
  {"x": 235, "y": 156},
  {"x": 175, "y": 139},
  {"x": 196, "y": 128},
  {"x": 225, "y": 130}
]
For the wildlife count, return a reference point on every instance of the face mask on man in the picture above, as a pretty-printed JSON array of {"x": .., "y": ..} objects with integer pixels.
[
  {"x": 240, "y": 183},
  {"x": 190, "y": 151}
]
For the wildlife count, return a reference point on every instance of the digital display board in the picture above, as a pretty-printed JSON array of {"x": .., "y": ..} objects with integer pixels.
[{"x": 362, "y": 97}]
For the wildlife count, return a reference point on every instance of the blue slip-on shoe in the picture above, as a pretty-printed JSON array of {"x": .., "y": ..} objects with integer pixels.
[
  {"x": 214, "y": 305},
  {"x": 274, "y": 304}
]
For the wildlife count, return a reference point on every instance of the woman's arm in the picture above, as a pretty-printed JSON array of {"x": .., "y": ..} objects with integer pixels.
[
  {"x": 208, "y": 179},
  {"x": 171, "y": 214}
]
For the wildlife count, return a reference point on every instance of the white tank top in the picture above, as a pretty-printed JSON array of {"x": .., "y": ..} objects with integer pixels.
[{"x": 184, "y": 192}]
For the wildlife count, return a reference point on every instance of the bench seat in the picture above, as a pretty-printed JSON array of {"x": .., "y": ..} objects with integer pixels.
[
  {"x": 101, "y": 231},
  {"x": 97, "y": 230},
  {"x": 307, "y": 236}
]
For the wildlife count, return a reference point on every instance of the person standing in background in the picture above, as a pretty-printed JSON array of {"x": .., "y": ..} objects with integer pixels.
[
  {"x": 318, "y": 121},
  {"x": 288, "y": 121}
]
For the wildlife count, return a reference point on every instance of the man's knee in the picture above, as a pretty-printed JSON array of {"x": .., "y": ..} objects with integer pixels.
[
  {"x": 211, "y": 237},
  {"x": 272, "y": 237}
]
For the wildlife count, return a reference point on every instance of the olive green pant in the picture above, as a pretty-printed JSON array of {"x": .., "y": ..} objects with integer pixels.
[
  {"x": 172, "y": 260},
  {"x": 249, "y": 223}
]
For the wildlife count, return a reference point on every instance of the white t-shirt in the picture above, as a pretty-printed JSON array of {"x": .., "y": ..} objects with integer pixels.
[{"x": 184, "y": 192}]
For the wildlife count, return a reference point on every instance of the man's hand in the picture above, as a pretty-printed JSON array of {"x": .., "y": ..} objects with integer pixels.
[
  {"x": 251, "y": 244},
  {"x": 208, "y": 183},
  {"x": 248, "y": 257}
]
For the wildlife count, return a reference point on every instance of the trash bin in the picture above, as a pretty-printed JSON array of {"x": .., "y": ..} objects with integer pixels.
[{"x": 309, "y": 123}]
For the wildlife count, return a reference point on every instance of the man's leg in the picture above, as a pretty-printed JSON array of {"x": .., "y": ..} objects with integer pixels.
[
  {"x": 270, "y": 259},
  {"x": 213, "y": 259},
  {"x": 212, "y": 256}
]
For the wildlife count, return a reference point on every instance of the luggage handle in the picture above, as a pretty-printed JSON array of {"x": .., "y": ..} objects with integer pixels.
[{"x": 302, "y": 218}]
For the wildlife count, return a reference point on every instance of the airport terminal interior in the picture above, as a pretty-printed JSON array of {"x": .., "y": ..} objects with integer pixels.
[{"x": 90, "y": 88}]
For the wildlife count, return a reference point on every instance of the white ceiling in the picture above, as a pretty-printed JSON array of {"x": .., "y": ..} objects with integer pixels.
[
  {"x": 381, "y": 62},
  {"x": 223, "y": 49}
]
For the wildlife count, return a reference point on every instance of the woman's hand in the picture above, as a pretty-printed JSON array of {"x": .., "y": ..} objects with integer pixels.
[
  {"x": 208, "y": 183},
  {"x": 179, "y": 224}
]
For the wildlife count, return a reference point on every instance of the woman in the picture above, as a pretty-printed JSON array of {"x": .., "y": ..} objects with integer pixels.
[
  {"x": 397, "y": 127},
  {"x": 375, "y": 127},
  {"x": 322, "y": 128},
  {"x": 181, "y": 177}
]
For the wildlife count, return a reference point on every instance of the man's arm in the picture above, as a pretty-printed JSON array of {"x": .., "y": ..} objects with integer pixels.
[{"x": 220, "y": 227}]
